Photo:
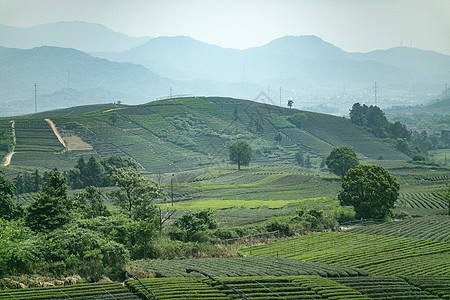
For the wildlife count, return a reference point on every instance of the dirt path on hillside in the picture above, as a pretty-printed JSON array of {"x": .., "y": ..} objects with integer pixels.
[
  {"x": 9, "y": 155},
  {"x": 55, "y": 131},
  {"x": 113, "y": 109}
]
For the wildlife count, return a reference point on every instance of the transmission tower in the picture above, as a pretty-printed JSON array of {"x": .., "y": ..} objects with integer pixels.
[
  {"x": 35, "y": 97},
  {"x": 375, "y": 89}
]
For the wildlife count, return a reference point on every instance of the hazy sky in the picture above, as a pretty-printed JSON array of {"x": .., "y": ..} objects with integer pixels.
[{"x": 353, "y": 25}]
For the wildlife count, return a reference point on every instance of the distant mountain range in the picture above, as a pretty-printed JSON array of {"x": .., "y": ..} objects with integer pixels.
[
  {"x": 295, "y": 62},
  {"x": 312, "y": 72},
  {"x": 83, "y": 36}
]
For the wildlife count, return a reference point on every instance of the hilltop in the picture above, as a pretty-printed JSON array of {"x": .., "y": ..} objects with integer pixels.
[{"x": 189, "y": 133}]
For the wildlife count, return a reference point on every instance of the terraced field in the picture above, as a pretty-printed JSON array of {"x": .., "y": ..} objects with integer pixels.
[
  {"x": 89, "y": 291},
  {"x": 435, "y": 228},
  {"x": 377, "y": 254},
  {"x": 426, "y": 200},
  {"x": 292, "y": 287},
  {"x": 35, "y": 135},
  {"x": 386, "y": 288},
  {"x": 244, "y": 266}
]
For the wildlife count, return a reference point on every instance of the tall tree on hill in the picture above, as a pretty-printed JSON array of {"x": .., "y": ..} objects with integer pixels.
[
  {"x": 51, "y": 208},
  {"x": 290, "y": 103},
  {"x": 371, "y": 190},
  {"x": 94, "y": 175},
  {"x": 8, "y": 209},
  {"x": 341, "y": 159},
  {"x": 135, "y": 194},
  {"x": 299, "y": 157},
  {"x": 240, "y": 154}
]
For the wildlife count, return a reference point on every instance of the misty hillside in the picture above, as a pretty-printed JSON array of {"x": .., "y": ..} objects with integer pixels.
[
  {"x": 191, "y": 133},
  {"x": 83, "y": 36},
  {"x": 57, "y": 68},
  {"x": 67, "y": 77},
  {"x": 294, "y": 62}
]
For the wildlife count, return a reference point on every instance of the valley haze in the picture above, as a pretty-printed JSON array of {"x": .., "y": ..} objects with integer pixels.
[{"x": 78, "y": 63}]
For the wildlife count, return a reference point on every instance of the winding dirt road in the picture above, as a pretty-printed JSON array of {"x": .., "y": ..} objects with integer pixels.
[
  {"x": 9, "y": 155},
  {"x": 55, "y": 131}
]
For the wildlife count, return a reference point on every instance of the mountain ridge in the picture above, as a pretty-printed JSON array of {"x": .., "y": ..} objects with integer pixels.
[{"x": 84, "y": 36}]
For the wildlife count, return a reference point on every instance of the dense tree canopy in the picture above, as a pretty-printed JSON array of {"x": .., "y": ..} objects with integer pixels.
[
  {"x": 8, "y": 209},
  {"x": 341, "y": 159},
  {"x": 51, "y": 208},
  {"x": 135, "y": 194},
  {"x": 240, "y": 154},
  {"x": 371, "y": 190},
  {"x": 374, "y": 120}
]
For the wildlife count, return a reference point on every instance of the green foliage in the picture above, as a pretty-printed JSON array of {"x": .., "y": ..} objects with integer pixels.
[
  {"x": 283, "y": 228},
  {"x": 12, "y": 235},
  {"x": 341, "y": 159},
  {"x": 51, "y": 208},
  {"x": 278, "y": 137},
  {"x": 299, "y": 158},
  {"x": 90, "y": 203},
  {"x": 72, "y": 250},
  {"x": 297, "y": 119},
  {"x": 290, "y": 103},
  {"x": 374, "y": 120},
  {"x": 87, "y": 174},
  {"x": 6, "y": 139},
  {"x": 240, "y": 154},
  {"x": 371, "y": 190},
  {"x": 136, "y": 236},
  {"x": 9, "y": 210},
  {"x": 191, "y": 223},
  {"x": 135, "y": 194},
  {"x": 29, "y": 183}
]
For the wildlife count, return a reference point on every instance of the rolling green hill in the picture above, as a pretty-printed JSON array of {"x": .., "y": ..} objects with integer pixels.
[{"x": 190, "y": 133}]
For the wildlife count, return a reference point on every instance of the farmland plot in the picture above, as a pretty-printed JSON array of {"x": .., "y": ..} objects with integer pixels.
[{"x": 373, "y": 253}]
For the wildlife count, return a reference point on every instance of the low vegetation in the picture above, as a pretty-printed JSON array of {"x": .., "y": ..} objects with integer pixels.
[{"x": 157, "y": 194}]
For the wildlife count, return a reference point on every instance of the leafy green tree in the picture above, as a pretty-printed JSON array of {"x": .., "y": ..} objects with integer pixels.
[
  {"x": 278, "y": 137},
  {"x": 290, "y": 103},
  {"x": 308, "y": 161},
  {"x": 299, "y": 157},
  {"x": 358, "y": 114},
  {"x": 8, "y": 209},
  {"x": 194, "y": 222},
  {"x": 136, "y": 236},
  {"x": 341, "y": 159},
  {"x": 90, "y": 203},
  {"x": 135, "y": 194},
  {"x": 12, "y": 235},
  {"x": 240, "y": 154},
  {"x": 51, "y": 208},
  {"x": 95, "y": 173},
  {"x": 114, "y": 117},
  {"x": 371, "y": 190}
]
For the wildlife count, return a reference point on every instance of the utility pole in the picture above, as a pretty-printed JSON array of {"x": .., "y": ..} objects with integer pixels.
[
  {"x": 375, "y": 93},
  {"x": 280, "y": 95},
  {"x": 170, "y": 92},
  {"x": 171, "y": 187},
  {"x": 35, "y": 98}
]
